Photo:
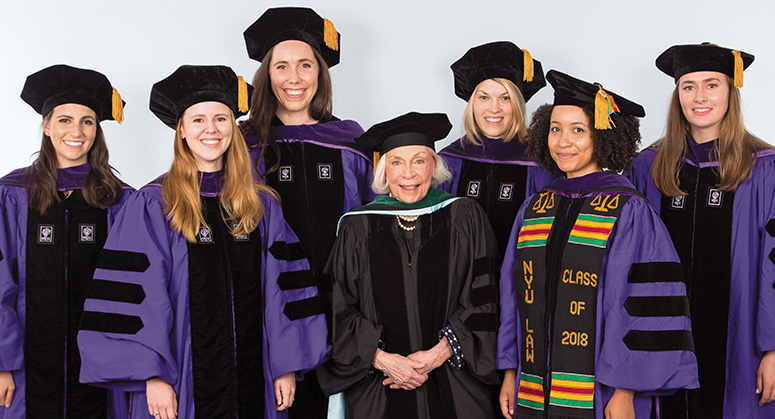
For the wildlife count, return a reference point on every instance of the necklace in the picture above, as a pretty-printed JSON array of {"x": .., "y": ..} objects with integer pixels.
[{"x": 405, "y": 218}]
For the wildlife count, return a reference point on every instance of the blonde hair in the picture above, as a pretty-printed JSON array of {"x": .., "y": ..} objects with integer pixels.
[
  {"x": 440, "y": 175},
  {"x": 239, "y": 200},
  {"x": 516, "y": 129},
  {"x": 736, "y": 147}
]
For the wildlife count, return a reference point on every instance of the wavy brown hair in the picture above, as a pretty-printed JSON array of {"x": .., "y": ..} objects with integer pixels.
[
  {"x": 101, "y": 188},
  {"x": 239, "y": 199},
  {"x": 736, "y": 146},
  {"x": 613, "y": 149},
  {"x": 263, "y": 107}
]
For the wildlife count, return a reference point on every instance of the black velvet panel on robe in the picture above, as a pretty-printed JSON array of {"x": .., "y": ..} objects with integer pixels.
[
  {"x": 390, "y": 248},
  {"x": 62, "y": 249},
  {"x": 700, "y": 225},
  {"x": 311, "y": 186},
  {"x": 500, "y": 192},
  {"x": 312, "y": 195},
  {"x": 225, "y": 305}
]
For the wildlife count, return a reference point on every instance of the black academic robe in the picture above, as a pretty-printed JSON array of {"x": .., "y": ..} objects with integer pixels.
[{"x": 398, "y": 290}]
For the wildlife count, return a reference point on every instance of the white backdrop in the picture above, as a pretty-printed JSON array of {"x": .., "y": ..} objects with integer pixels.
[{"x": 395, "y": 55}]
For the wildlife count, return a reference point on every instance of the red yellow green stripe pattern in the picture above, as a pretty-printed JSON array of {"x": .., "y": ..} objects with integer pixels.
[
  {"x": 591, "y": 230},
  {"x": 572, "y": 390},
  {"x": 531, "y": 391},
  {"x": 534, "y": 232}
]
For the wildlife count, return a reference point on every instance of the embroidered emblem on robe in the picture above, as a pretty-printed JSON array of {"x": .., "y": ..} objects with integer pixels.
[
  {"x": 86, "y": 233},
  {"x": 285, "y": 174},
  {"x": 45, "y": 234},
  {"x": 324, "y": 171},
  {"x": 205, "y": 236},
  {"x": 715, "y": 197},
  {"x": 506, "y": 192},
  {"x": 473, "y": 188}
]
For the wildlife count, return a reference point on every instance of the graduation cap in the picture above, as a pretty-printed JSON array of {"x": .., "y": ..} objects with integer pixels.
[
  {"x": 572, "y": 91},
  {"x": 683, "y": 59},
  {"x": 293, "y": 23},
  {"x": 413, "y": 128},
  {"x": 192, "y": 84},
  {"x": 497, "y": 60},
  {"x": 59, "y": 84}
]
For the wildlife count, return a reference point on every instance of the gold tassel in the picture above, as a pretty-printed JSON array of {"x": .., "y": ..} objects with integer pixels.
[
  {"x": 602, "y": 120},
  {"x": 242, "y": 95},
  {"x": 376, "y": 160},
  {"x": 330, "y": 36},
  {"x": 528, "y": 72},
  {"x": 738, "y": 68},
  {"x": 117, "y": 107}
]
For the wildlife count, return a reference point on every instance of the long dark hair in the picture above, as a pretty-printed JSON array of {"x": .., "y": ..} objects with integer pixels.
[
  {"x": 101, "y": 188},
  {"x": 263, "y": 107}
]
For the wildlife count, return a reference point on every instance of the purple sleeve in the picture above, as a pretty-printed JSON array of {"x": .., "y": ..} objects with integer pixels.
[
  {"x": 11, "y": 340},
  {"x": 454, "y": 165},
  {"x": 508, "y": 331},
  {"x": 765, "y": 196},
  {"x": 296, "y": 329},
  {"x": 640, "y": 177},
  {"x": 357, "y": 182},
  {"x": 648, "y": 349},
  {"x": 128, "y": 341},
  {"x": 537, "y": 178}
]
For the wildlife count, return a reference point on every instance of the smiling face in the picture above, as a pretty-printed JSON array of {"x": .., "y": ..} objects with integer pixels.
[
  {"x": 72, "y": 129},
  {"x": 293, "y": 73},
  {"x": 207, "y": 128},
  {"x": 704, "y": 97},
  {"x": 409, "y": 171},
  {"x": 570, "y": 141},
  {"x": 493, "y": 112}
]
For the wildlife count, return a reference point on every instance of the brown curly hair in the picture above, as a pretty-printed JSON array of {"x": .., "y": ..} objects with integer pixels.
[{"x": 613, "y": 149}]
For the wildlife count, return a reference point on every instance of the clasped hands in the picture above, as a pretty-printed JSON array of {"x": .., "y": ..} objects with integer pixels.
[{"x": 411, "y": 371}]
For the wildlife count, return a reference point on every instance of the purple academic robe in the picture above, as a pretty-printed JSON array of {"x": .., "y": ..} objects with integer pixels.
[
  {"x": 46, "y": 265},
  {"x": 218, "y": 319},
  {"x": 638, "y": 237},
  {"x": 731, "y": 247},
  {"x": 319, "y": 178},
  {"x": 498, "y": 175}
]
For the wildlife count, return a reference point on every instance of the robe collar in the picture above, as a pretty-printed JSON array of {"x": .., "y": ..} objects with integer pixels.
[
  {"x": 592, "y": 181},
  {"x": 72, "y": 177},
  {"x": 433, "y": 197},
  {"x": 495, "y": 149},
  {"x": 701, "y": 153},
  {"x": 210, "y": 183}
]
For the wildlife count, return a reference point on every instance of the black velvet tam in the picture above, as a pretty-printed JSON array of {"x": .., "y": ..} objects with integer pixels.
[
  {"x": 496, "y": 60},
  {"x": 293, "y": 23},
  {"x": 569, "y": 90},
  {"x": 413, "y": 128},
  {"x": 192, "y": 84},
  {"x": 59, "y": 84},
  {"x": 683, "y": 59}
]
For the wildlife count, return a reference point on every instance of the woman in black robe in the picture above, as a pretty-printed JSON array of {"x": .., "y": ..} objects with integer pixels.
[{"x": 415, "y": 288}]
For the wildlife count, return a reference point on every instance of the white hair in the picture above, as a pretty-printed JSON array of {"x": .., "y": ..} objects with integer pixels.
[{"x": 380, "y": 184}]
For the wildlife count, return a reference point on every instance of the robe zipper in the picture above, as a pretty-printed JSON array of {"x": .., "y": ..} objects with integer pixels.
[
  {"x": 230, "y": 281},
  {"x": 66, "y": 293}
]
